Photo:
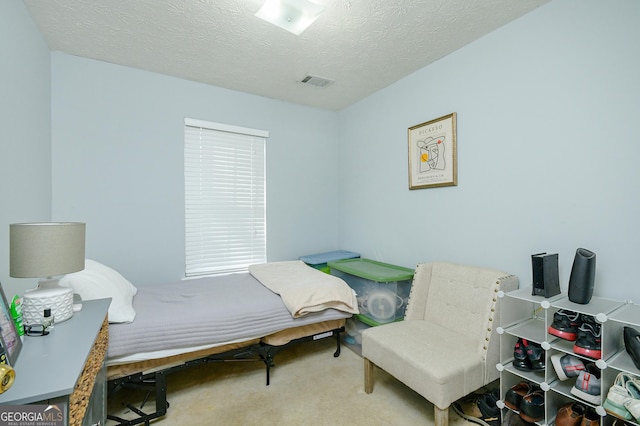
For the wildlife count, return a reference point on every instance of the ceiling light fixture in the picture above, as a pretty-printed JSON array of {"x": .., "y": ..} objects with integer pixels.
[{"x": 294, "y": 16}]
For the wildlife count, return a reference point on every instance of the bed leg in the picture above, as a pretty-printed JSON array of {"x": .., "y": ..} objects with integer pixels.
[
  {"x": 337, "y": 352},
  {"x": 153, "y": 382},
  {"x": 266, "y": 354},
  {"x": 161, "y": 393},
  {"x": 268, "y": 373}
]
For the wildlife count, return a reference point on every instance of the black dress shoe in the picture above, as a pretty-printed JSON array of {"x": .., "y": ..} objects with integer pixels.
[
  {"x": 513, "y": 397},
  {"x": 632, "y": 344},
  {"x": 532, "y": 407}
]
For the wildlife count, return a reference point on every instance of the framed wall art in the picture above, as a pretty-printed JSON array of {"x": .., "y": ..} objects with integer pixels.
[
  {"x": 9, "y": 336},
  {"x": 432, "y": 153}
]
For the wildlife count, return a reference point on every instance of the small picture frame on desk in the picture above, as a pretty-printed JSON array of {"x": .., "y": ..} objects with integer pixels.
[{"x": 9, "y": 336}]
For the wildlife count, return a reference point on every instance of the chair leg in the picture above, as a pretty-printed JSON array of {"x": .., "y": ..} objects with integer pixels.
[
  {"x": 368, "y": 376},
  {"x": 440, "y": 416}
]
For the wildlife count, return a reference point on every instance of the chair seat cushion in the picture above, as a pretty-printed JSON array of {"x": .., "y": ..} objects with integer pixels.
[{"x": 441, "y": 365}]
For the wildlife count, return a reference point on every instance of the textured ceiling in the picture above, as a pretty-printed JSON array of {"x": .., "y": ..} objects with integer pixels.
[{"x": 364, "y": 45}]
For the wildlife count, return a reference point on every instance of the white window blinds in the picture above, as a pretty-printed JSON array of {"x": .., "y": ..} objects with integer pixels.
[{"x": 225, "y": 206}]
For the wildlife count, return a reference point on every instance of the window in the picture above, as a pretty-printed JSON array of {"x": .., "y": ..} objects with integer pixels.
[{"x": 225, "y": 214}]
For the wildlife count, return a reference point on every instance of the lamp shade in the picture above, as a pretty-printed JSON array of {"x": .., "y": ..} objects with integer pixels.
[{"x": 46, "y": 249}]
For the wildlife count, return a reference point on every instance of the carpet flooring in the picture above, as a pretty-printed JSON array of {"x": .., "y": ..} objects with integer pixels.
[{"x": 308, "y": 387}]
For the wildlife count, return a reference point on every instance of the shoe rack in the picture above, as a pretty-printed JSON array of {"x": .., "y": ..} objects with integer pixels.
[{"x": 529, "y": 317}]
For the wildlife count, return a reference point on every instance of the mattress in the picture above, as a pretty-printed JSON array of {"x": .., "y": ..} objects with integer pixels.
[{"x": 211, "y": 311}]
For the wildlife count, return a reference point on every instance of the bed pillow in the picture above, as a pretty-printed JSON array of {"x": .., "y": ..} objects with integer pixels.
[{"x": 98, "y": 281}]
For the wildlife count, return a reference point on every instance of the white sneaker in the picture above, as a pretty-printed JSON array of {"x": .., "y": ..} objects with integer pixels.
[
  {"x": 633, "y": 403},
  {"x": 617, "y": 396}
]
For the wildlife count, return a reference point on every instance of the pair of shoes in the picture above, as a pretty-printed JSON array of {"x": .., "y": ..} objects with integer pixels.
[
  {"x": 565, "y": 324},
  {"x": 481, "y": 409},
  {"x": 587, "y": 386},
  {"x": 567, "y": 366},
  {"x": 581, "y": 329},
  {"x": 617, "y": 395},
  {"x": 570, "y": 414},
  {"x": 528, "y": 399},
  {"x": 577, "y": 414},
  {"x": 528, "y": 356},
  {"x": 623, "y": 398},
  {"x": 632, "y": 344}
]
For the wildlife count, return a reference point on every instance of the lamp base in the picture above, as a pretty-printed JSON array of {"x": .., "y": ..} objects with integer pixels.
[{"x": 50, "y": 295}]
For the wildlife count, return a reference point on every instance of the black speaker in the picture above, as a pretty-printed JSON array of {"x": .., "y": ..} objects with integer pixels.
[
  {"x": 546, "y": 281},
  {"x": 583, "y": 275}
]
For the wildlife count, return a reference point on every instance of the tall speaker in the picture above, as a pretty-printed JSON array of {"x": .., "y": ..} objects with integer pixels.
[
  {"x": 583, "y": 275},
  {"x": 546, "y": 281}
]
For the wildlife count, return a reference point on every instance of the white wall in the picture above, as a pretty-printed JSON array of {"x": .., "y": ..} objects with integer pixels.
[
  {"x": 547, "y": 122},
  {"x": 118, "y": 164},
  {"x": 25, "y": 130},
  {"x": 548, "y": 150}
]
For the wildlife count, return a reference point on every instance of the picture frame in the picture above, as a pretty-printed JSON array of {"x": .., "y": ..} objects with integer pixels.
[
  {"x": 9, "y": 337},
  {"x": 433, "y": 157}
]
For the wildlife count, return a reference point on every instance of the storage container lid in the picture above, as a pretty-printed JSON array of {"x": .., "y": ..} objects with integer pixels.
[
  {"x": 372, "y": 270},
  {"x": 319, "y": 258}
]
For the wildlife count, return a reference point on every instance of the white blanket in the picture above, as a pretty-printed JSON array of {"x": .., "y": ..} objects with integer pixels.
[{"x": 304, "y": 289}]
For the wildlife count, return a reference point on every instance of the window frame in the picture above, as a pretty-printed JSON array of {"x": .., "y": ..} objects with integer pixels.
[{"x": 225, "y": 223}]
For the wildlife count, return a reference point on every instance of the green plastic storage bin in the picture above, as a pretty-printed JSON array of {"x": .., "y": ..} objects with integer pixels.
[{"x": 382, "y": 289}]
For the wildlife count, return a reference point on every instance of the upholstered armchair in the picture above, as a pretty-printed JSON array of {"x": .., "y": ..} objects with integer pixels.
[{"x": 447, "y": 346}]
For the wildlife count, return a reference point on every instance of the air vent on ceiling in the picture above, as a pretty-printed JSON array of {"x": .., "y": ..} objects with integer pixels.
[{"x": 314, "y": 80}]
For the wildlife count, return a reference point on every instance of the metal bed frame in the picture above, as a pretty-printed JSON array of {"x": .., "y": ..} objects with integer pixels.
[{"x": 155, "y": 383}]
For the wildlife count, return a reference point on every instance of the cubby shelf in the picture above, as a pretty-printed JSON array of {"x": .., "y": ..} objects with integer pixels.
[{"x": 526, "y": 316}]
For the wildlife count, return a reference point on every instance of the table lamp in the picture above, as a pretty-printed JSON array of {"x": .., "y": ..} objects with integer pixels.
[{"x": 46, "y": 250}]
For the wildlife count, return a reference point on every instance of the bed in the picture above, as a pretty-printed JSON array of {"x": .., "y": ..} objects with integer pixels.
[{"x": 165, "y": 328}]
